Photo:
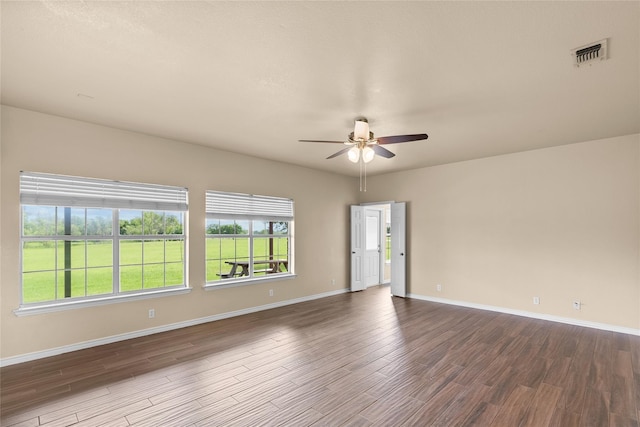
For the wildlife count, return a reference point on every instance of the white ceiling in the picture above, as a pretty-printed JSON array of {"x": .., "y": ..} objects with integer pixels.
[{"x": 481, "y": 78}]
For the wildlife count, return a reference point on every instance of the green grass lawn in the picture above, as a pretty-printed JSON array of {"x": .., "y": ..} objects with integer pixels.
[{"x": 143, "y": 264}]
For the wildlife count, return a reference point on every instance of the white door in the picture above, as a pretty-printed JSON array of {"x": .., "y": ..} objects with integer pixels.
[
  {"x": 398, "y": 250},
  {"x": 372, "y": 248},
  {"x": 357, "y": 248}
]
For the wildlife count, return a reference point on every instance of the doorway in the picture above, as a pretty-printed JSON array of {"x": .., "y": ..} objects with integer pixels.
[
  {"x": 373, "y": 247},
  {"x": 377, "y": 246}
]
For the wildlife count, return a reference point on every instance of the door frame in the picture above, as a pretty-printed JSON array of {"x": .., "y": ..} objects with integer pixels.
[{"x": 398, "y": 262}]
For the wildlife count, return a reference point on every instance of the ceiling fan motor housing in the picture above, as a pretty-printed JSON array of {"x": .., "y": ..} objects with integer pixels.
[
  {"x": 357, "y": 141},
  {"x": 361, "y": 130}
]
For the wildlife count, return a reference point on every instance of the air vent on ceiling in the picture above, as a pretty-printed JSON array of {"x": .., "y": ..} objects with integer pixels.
[{"x": 590, "y": 53}]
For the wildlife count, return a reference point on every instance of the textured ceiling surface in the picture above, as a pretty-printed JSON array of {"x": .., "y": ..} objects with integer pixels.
[{"x": 481, "y": 78}]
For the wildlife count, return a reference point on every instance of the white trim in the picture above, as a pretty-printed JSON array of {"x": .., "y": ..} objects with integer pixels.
[
  {"x": 144, "y": 332},
  {"x": 388, "y": 202},
  {"x": 232, "y": 283},
  {"x": 541, "y": 316},
  {"x": 61, "y": 306}
]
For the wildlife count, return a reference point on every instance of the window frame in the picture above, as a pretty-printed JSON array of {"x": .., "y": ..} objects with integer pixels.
[
  {"x": 248, "y": 208},
  {"x": 31, "y": 194}
]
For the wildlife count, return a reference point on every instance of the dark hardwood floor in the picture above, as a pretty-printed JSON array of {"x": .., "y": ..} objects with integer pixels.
[{"x": 353, "y": 359}]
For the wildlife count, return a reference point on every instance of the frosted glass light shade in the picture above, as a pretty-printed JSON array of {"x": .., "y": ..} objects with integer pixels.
[
  {"x": 368, "y": 154},
  {"x": 354, "y": 154}
]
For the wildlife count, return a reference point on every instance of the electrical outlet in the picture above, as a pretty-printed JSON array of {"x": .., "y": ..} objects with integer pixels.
[
  {"x": 152, "y": 313},
  {"x": 333, "y": 281},
  {"x": 270, "y": 292},
  {"x": 577, "y": 305},
  {"x": 439, "y": 287},
  {"x": 536, "y": 300}
]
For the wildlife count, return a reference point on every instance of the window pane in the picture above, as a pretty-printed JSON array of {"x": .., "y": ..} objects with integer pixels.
[
  {"x": 260, "y": 227},
  {"x": 174, "y": 250},
  {"x": 153, "y": 276},
  {"x": 213, "y": 226},
  {"x": 77, "y": 254},
  {"x": 130, "y": 222},
  {"x": 38, "y": 220},
  {"x": 153, "y": 251},
  {"x": 228, "y": 227},
  {"x": 213, "y": 255},
  {"x": 77, "y": 284},
  {"x": 280, "y": 228},
  {"x": 215, "y": 270},
  {"x": 271, "y": 249},
  {"x": 281, "y": 252},
  {"x": 153, "y": 223},
  {"x": 99, "y": 222},
  {"x": 261, "y": 248},
  {"x": 99, "y": 253},
  {"x": 174, "y": 222},
  {"x": 77, "y": 221},
  {"x": 270, "y": 227},
  {"x": 213, "y": 248},
  {"x": 174, "y": 273},
  {"x": 99, "y": 281},
  {"x": 130, "y": 252},
  {"x": 235, "y": 248},
  {"x": 281, "y": 247},
  {"x": 38, "y": 256},
  {"x": 131, "y": 278},
  {"x": 77, "y": 259},
  {"x": 242, "y": 227},
  {"x": 38, "y": 287},
  {"x": 234, "y": 227}
]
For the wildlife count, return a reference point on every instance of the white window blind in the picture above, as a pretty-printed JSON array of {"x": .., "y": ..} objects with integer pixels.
[
  {"x": 60, "y": 190},
  {"x": 248, "y": 206}
]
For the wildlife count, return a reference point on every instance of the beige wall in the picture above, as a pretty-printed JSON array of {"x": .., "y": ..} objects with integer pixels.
[
  {"x": 559, "y": 223},
  {"x": 44, "y": 143}
]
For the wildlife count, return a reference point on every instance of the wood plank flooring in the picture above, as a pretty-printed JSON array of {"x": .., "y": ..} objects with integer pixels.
[{"x": 353, "y": 359}]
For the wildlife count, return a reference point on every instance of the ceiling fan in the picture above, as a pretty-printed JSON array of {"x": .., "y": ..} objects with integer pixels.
[{"x": 362, "y": 146}]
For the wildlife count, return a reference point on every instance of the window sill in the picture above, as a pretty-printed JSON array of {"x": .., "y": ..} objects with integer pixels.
[
  {"x": 232, "y": 283},
  {"x": 61, "y": 306}
]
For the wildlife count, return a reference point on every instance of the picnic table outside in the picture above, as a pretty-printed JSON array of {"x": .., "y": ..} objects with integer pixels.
[{"x": 271, "y": 266}]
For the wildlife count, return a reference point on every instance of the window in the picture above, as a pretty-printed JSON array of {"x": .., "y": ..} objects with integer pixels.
[
  {"x": 85, "y": 239},
  {"x": 247, "y": 237}
]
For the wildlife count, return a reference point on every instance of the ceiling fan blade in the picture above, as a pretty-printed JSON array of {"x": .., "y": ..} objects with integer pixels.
[
  {"x": 381, "y": 151},
  {"x": 313, "y": 140},
  {"x": 401, "y": 138},
  {"x": 344, "y": 150}
]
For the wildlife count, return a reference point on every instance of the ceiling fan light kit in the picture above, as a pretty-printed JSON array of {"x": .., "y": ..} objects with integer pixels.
[
  {"x": 353, "y": 154},
  {"x": 364, "y": 146},
  {"x": 368, "y": 154}
]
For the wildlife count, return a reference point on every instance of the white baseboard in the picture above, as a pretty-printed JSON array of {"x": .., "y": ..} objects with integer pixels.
[
  {"x": 541, "y": 316},
  {"x": 135, "y": 334}
]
